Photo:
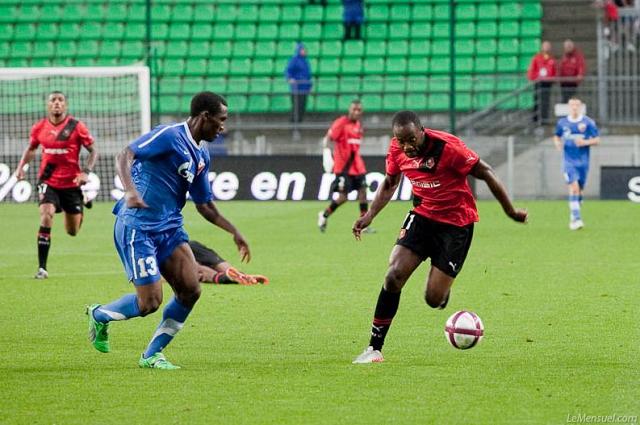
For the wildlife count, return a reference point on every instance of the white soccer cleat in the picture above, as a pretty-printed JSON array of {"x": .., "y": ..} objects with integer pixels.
[
  {"x": 369, "y": 356},
  {"x": 322, "y": 221},
  {"x": 576, "y": 224},
  {"x": 42, "y": 274}
]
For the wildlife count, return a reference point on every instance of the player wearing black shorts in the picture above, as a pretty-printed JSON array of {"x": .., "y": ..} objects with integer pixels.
[
  {"x": 214, "y": 269},
  {"x": 61, "y": 137},
  {"x": 439, "y": 227}
]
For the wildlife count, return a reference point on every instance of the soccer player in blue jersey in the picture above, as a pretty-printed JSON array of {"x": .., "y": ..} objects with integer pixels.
[
  {"x": 157, "y": 170},
  {"x": 575, "y": 134}
]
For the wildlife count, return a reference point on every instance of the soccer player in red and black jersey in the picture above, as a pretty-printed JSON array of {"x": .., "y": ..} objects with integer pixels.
[
  {"x": 439, "y": 227},
  {"x": 346, "y": 134},
  {"x": 60, "y": 177}
]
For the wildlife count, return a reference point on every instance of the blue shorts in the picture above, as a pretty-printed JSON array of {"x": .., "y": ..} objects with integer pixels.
[
  {"x": 142, "y": 252},
  {"x": 573, "y": 173}
]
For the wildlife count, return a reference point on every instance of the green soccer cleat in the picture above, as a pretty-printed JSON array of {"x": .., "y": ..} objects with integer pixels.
[
  {"x": 157, "y": 361},
  {"x": 98, "y": 332}
]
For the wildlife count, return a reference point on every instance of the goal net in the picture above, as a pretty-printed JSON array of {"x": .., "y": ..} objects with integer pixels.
[{"x": 112, "y": 101}]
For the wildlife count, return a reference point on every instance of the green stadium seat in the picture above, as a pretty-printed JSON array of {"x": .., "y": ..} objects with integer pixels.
[
  {"x": 373, "y": 65},
  {"x": 438, "y": 102},
  {"x": 344, "y": 100},
  {"x": 374, "y": 84},
  {"x": 260, "y": 85},
  {"x": 218, "y": 66},
  {"x": 258, "y": 103},
  {"x": 532, "y": 11},
  {"x": 464, "y": 83},
  {"x": 482, "y": 100},
  {"x": 329, "y": 66},
  {"x": 531, "y": 28},
  {"x": 133, "y": 49},
  {"x": 205, "y": 13},
  {"x": 243, "y": 49},
  {"x": 400, "y": 13},
  {"x": 177, "y": 49},
  {"x": 8, "y": 13},
  {"x": 47, "y": 31},
  {"x": 325, "y": 103},
  {"x": 221, "y": 49},
  {"x": 267, "y": 32},
  {"x": 5, "y": 52},
  {"x": 290, "y": 31},
  {"x": 398, "y": 48},
  {"x": 285, "y": 49},
  {"x": 420, "y": 47},
  {"x": 507, "y": 64},
  {"x": 247, "y": 12},
  {"x": 263, "y": 66},
  {"x": 480, "y": 83},
  {"x": 466, "y": 12},
  {"x": 529, "y": 46},
  {"x": 158, "y": 49},
  {"x": 310, "y": 31},
  {"x": 170, "y": 86},
  {"x": 525, "y": 101},
  {"x": 487, "y": 11},
  {"x": 421, "y": 30},
  {"x": 223, "y": 31},
  {"x": 116, "y": 12},
  {"x": 269, "y": 14},
  {"x": 375, "y": 48},
  {"x": 441, "y": 30},
  {"x": 422, "y": 12},
  {"x": 313, "y": 49},
  {"x": 331, "y": 48},
  {"x": 487, "y": 29},
  {"x": 417, "y": 84},
  {"x": 91, "y": 30},
  {"x": 396, "y": 65},
  {"x": 28, "y": 13},
  {"x": 509, "y": 10},
  {"x": 393, "y": 102},
  {"x": 160, "y": 13},
  {"x": 169, "y": 104},
  {"x": 372, "y": 102},
  {"x": 87, "y": 48},
  {"x": 173, "y": 67},
  {"x": 195, "y": 66},
  {"x": 327, "y": 85},
  {"x": 333, "y": 13},
  {"x": 159, "y": 31},
  {"x": 509, "y": 29},
  {"x": 193, "y": 85},
  {"x": 440, "y": 48},
  {"x": 6, "y": 32},
  {"x": 351, "y": 66},
  {"x": 441, "y": 12},
  {"x": 465, "y": 47},
  {"x": 506, "y": 84},
  {"x": 350, "y": 85},
  {"x": 464, "y": 64},
  {"x": 440, "y": 65},
  {"x": 280, "y": 103},
  {"x": 332, "y": 31},
  {"x": 523, "y": 62},
  {"x": 463, "y": 101},
  {"x": 292, "y": 13},
  {"x": 179, "y": 31},
  {"x": 508, "y": 46},
  {"x": 399, "y": 30},
  {"x": 43, "y": 49},
  {"x": 199, "y": 49},
  {"x": 239, "y": 66},
  {"x": 313, "y": 13},
  {"x": 226, "y": 13},
  {"x": 395, "y": 85},
  {"x": 465, "y": 29},
  {"x": 201, "y": 31},
  {"x": 113, "y": 31},
  {"x": 376, "y": 31},
  {"x": 353, "y": 48},
  {"x": 418, "y": 65},
  {"x": 377, "y": 13},
  {"x": 486, "y": 46},
  {"x": 238, "y": 86},
  {"x": 39, "y": 62},
  {"x": 135, "y": 31},
  {"x": 265, "y": 49},
  {"x": 50, "y": 13},
  {"x": 24, "y": 32},
  {"x": 137, "y": 13},
  {"x": 110, "y": 48},
  {"x": 485, "y": 64},
  {"x": 73, "y": 12},
  {"x": 65, "y": 49},
  {"x": 182, "y": 13},
  {"x": 416, "y": 101},
  {"x": 15, "y": 62}
]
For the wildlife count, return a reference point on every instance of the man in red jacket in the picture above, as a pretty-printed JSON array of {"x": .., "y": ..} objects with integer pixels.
[
  {"x": 542, "y": 71},
  {"x": 572, "y": 70}
]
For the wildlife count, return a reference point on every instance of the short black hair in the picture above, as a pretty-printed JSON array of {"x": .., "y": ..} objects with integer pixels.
[
  {"x": 403, "y": 118},
  {"x": 207, "y": 101},
  {"x": 57, "y": 92}
]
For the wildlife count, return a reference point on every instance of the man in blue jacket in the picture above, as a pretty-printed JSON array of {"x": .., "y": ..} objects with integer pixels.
[
  {"x": 298, "y": 75},
  {"x": 353, "y": 16}
]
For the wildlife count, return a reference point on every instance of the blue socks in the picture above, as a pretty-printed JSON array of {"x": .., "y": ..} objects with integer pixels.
[
  {"x": 173, "y": 318},
  {"x": 122, "y": 309},
  {"x": 574, "y": 206}
]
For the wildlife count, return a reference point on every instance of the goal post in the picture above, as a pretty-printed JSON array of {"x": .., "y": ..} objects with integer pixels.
[{"x": 114, "y": 103}]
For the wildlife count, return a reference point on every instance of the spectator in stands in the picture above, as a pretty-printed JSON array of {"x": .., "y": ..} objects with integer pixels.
[
  {"x": 353, "y": 16},
  {"x": 572, "y": 70},
  {"x": 542, "y": 71},
  {"x": 322, "y": 2},
  {"x": 298, "y": 75}
]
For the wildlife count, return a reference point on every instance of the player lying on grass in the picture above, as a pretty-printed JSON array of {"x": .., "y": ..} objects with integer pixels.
[
  {"x": 213, "y": 269},
  {"x": 439, "y": 227}
]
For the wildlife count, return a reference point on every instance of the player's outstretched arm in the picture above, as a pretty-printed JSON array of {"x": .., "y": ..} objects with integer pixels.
[
  {"x": 210, "y": 212},
  {"x": 27, "y": 156},
  {"x": 89, "y": 166},
  {"x": 383, "y": 196},
  {"x": 124, "y": 161},
  {"x": 483, "y": 171}
]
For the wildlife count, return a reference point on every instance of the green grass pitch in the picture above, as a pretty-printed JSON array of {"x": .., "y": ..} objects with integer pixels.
[{"x": 560, "y": 310}]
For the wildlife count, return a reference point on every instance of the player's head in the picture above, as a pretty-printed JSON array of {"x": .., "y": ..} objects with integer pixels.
[
  {"x": 568, "y": 46},
  {"x": 575, "y": 107},
  {"x": 56, "y": 104},
  {"x": 409, "y": 132},
  {"x": 546, "y": 47},
  {"x": 208, "y": 114},
  {"x": 355, "y": 110}
]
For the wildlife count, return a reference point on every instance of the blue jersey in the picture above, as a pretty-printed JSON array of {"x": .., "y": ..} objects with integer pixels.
[
  {"x": 569, "y": 130},
  {"x": 167, "y": 164}
]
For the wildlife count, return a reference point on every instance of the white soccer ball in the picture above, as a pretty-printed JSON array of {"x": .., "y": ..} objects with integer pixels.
[{"x": 464, "y": 330}]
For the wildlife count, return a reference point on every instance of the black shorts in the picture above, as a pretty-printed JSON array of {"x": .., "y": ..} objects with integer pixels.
[
  {"x": 205, "y": 256},
  {"x": 447, "y": 245},
  {"x": 345, "y": 183},
  {"x": 70, "y": 200}
]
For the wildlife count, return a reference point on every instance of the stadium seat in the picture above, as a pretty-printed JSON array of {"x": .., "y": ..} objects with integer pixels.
[
  {"x": 509, "y": 29},
  {"x": 508, "y": 46},
  {"x": 464, "y": 64},
  {"x": 421, "y": 30},
  {"x": 280, "y": 103},
  {"x": 487, "y": 29},
  {"x": 224, "y": 31},
  {"x": 441, "y": 12},
  {"x": 87, "y": 48},
  {"x": 416, "y": 101},
  {"x": 267, "y": 32},
  {"x": 507, "y": 64},
  {"x": 396, "y": 65},
  {"x": 465, "y": 29},
  {"x": 160, "y": 13},
  {"x": 310, "y": 31},
  {"x": 333, "y": 13},
  {"x": 509, "y": 10},
  {"x": 51, "y": 13},
  {"x": 69, "y": 31},
  {"x": 47, "y": 31},
  {"x": 332, "y": 31},
  {"x": 179, "y": 31},
  {"x": 260, "y": 85},
  {"x": 65, "y": 49},
  {"x": 182, "y": 13},
  {"x": 486, "y": 46},
  {"x": 221, "y": 49},
  {"x": 243, "y": 49},
  {"x": 350, "y": 85},
  {"x": 116, "y": 12},
  {"x": 399, "y": 30},
  {"x": 400, "y": 12},
  {"x": 329, "y": 66},
  {"x": 113, "y": 31},
  {"x": 485, "y": 64},
  {"x": 422, "y": 12},
  {"x": 325, "y": 103},
  {"x": 393, "y": 102},
  {"x": 466, "y": 12},
  {"x": 438, "y": 102},
  {"x": 265, "y": 49},
  {"x": 195, "y": 66},
  {"x": 353, "y": 48},
  {"x": 417, "y": 84},
  {"x": 258, "y": 103},
  {"x": 398, "y": 48},
  {"x": 463, "y": 101},
  {"x": 440, "y": 65},
  {"x": 24, "y": 32},
  {"x": 247, "y": 13},
  {"x": 529, "y": 46},
  {"x": 378, "y": 13},
  {"x": 176, "y": 49},
  {"x": 238, "y": 86},
  {"x": 218, "y": 66},
  {"x": 193, "y": 85},
  {"x": 487, "y": 11},
  {"x": 465, "y": 47},
  {"x": 110, "y": 49},
  {"x": 263, "y": 66},
  {"x": 351, "y": 66},
  {"x": 331, "y": 48},
  {"x": 135, "y": 31},
  {"x": 375, "y": 48},
  {"x": 374, "y": 84},
  {"x": 205, "y": 13},
  {"x": 418, "y": 65},
  {"x": 376, "y": 31},
  {"x": 531, "y": 28},
  {"x": 28, "y": 13},
  {"x": 292, "y": 13},
  {"x": 327, "y": 85},
  {"x": 170, "y": 86},
  {"x": 269, "y": 14},
  {"x": 289, "y": 31},
  {"x": 43, "y": 49},
  {"x": 372, "y": 102},
  {"x": 313, "y": 13},
  {"x": 132, "y": 49},
  {"x": 8, "y": 13},
  {"x": 532, "y": 11},
  {"x": 6, "y": 32},
  {"x": 239, "y": 67},
  {"x": 373, "y": 65},
  {"x": 159, "y": 31},
  {"x": 395, "y": 85}
]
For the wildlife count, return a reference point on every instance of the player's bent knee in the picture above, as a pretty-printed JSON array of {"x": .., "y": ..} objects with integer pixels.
[
  {"x": 394, "y": 280},
  {"x": 149, "y": 305},
  {"x": 432, "y": 300},
  {"x": 190, "y": 296}
]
